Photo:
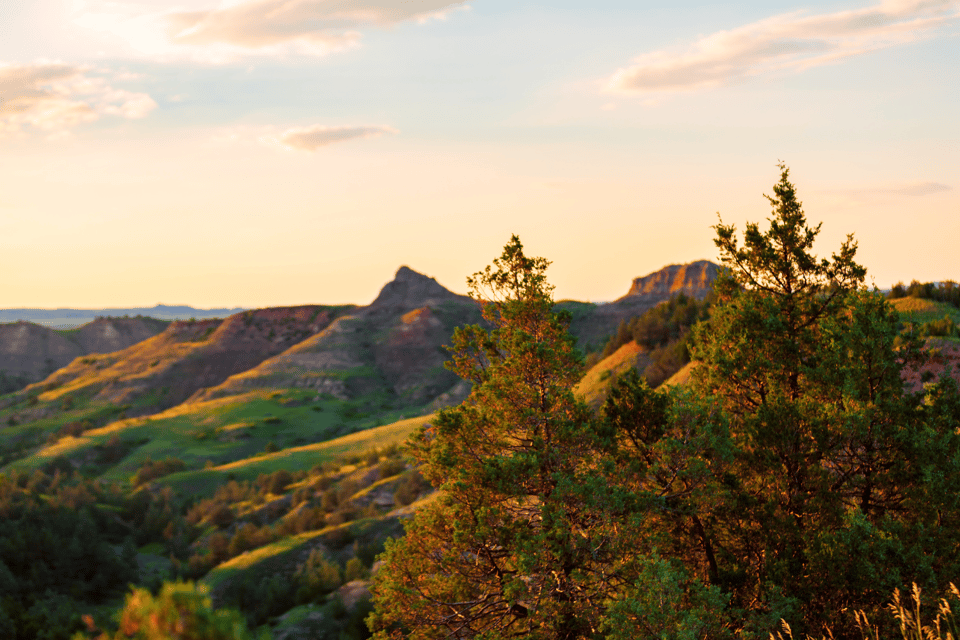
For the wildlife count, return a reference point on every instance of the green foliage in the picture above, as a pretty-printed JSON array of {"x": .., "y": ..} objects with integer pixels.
[
  {"x": 828, "y": 502},
  {"x": 317, "y": 576},
  {"x": 57, "y": 551},
  {"x": 664, "y": 332},
  {"x": 355, "y": 570},
  {"x": 946, "y": 291},
  {"x": 517, "y": 542},
  {"x": 945, "y": 327},
  {"x": 181, "y": 610},
  {"x": 663, "y": 603},
  {"x": 667, "y": 322},
  {"x": 151, "y": 470}
]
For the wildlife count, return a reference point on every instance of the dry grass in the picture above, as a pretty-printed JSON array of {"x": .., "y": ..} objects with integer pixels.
[
  {"x": 910, "y": 620},
  {"x": 597, "y": 382}
]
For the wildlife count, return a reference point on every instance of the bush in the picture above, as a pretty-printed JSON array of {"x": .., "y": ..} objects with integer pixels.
[
  {"x": 180, "y": 610},
  {"x": 354, "y": 570},
  {"x": 278, "y": 481},
  {"x": 392, "y": 467},
  {"x": 152, "y": 470},
  {"x": 945, "y": 327},
  {"x": 409, "y": 488},
  {"x": 317, "y": 577}
]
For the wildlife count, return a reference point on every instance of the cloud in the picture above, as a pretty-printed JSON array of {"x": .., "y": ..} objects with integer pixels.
[
  {"x": 790, "y": 42},
  {"x": 54, "y": 98},
  {"x": 226, "y": 31},
  {"x": 864, "y": 196},
  {"x": 316, "y": 136},
  {"x": 920, "y": 189}
]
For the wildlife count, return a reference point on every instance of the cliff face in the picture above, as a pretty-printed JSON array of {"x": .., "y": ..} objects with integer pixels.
[
  {"x": 694, "y": 279},
  {"x": 593, "y": 324},
  {"x": 166, "y": 369},
  {"x": 32, "y": 351}
]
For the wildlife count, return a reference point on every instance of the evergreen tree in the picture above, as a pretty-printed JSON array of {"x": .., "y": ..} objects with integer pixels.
[
  {"x": 518, "y": 542},
  {"x": 828, "y": 500}
]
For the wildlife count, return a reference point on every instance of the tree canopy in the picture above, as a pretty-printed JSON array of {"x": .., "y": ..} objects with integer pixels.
[
  {"x": 514, "y": 543},
  {"x": 796, "y": 479}
]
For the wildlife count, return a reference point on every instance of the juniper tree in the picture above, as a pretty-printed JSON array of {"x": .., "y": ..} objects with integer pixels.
[
  {"x": 829, "y": 499},
  {"x": 518, "y": 542}
]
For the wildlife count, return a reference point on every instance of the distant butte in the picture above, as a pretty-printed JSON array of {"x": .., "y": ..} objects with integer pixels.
[{"x": 694, "y": 279}]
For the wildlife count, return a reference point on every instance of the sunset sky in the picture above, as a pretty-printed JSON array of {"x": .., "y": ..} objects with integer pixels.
[{"x": 253, "y": 153}]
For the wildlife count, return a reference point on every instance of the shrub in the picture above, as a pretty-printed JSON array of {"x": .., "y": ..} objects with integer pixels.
[
  {"x": 354, "y": 570},
  {"x": 278, "y": 481},
  {"x": 317, "y": 576},
  {"x": 152, "y": 470},
  {"x": 180, "y": 610},
  {"x": 409, "y": 488},
  {"x": 392, "y": 467}
]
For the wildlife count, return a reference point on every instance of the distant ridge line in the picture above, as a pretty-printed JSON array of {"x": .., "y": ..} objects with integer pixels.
[{"x": 69, "y": 317}]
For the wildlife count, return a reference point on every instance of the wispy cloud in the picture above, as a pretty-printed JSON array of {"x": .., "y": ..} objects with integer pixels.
[
  {"x": 54, "y": 98},
  {"x": 918, "y": 189},
  {"x": 872, "y": 195},
  {"x": 220, "y": 32},
  {"x": 316, "y": 136},
  {"x": 786, "y": 43}
]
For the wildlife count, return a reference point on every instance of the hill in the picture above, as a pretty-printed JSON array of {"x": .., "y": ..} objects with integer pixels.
[
  {"x": 333, "y": 369},
  {"x": 596, "y": 382},
  {"x": 593, "y": 324},
  {"x": 260, "y": 453},
  {"x": 389, "y": 352},
  {"x": 30, "y": 352}
]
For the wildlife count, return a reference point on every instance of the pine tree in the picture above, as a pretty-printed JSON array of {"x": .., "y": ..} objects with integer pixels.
[{"x": 517, "y": 542}]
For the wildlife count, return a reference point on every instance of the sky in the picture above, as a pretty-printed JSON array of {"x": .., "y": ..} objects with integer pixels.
[{"x": 256, "y": 153}]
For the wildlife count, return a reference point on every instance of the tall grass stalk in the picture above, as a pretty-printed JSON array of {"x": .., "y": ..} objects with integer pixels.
[{"x": 909, "y": 619}]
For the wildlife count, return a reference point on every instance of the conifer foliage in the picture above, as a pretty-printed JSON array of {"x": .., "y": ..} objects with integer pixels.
[
  {"x": 515, "y": 544},
  {"x": 796, "y": 479},
  {"x": 837, "y": 469}
]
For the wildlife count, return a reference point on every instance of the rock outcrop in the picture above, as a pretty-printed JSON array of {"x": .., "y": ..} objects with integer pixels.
[{"x": 694, "y": 279}]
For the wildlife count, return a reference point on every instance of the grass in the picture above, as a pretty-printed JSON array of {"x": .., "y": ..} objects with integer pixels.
[
  {"x": 912, "y": 622},
  {"x": 919, "y": 310},
  {"x": 597, "y": 382},
  {"x": 198, "y": 432},
  {"x": 680, "y": 378},
  {"x": 283, "y": 555},
  {"x": 220, "y": 431},
  {"x": 204, "y": 482}
]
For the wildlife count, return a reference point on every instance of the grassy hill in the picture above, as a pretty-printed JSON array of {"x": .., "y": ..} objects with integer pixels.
[
  {"x": 920, "y": 310},
  {"x": 596, "y": 383}
]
